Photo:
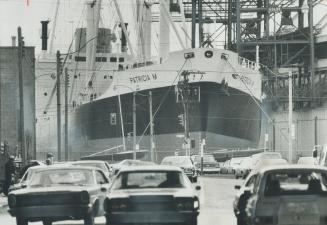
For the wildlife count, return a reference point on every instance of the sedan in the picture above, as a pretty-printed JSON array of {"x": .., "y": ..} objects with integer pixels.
[
  {"x": 55, "y": 194},
  {"x": 185, "y": 163},
  {"x": 289, "y": 194},
  {"x": 95, "y": 163},
  {"x": 152, "y": 195}
]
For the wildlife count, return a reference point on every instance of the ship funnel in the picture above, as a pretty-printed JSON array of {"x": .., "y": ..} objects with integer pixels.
[
  {"x": 44, "y": 35},
  {"x": 13, "y": 41},
  {"x": 123, "y": 39}
]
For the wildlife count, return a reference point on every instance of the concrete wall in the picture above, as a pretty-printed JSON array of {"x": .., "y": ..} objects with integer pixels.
[
  {"x": 10, "y": 119},
  {"x": 310, "y": 129}
]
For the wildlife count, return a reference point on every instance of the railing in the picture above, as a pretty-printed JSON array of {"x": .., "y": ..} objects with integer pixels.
[{"x": 245, "y": 63}]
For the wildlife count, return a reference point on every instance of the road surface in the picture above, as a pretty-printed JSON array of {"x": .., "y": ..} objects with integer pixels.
[{"x": 216, "y": 199}]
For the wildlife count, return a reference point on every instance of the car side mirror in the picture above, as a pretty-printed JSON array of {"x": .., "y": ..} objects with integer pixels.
[
  {"x": 23, "y": 185},
  {"x": 198, "y": 187},
  {"x": 237, "y": 187},
  {"x": 103, "y": 189}
]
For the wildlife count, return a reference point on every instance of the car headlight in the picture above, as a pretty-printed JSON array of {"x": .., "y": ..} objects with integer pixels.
[
  {"x": 85, "y": 197},
  {"x": 187, "y": 204},
  {"x": 12, "y": 200}
]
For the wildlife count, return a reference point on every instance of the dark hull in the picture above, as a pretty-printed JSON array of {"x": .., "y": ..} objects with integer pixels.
[{"x": 233, "y": 117}]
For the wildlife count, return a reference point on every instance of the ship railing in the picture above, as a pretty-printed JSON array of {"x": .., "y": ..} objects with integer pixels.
[
  {"x": 112, "y": 150},
  {"x": 245, "y": 63}
]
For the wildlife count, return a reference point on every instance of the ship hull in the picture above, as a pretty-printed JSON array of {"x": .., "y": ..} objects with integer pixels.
[{"x": 227, "y": 118}]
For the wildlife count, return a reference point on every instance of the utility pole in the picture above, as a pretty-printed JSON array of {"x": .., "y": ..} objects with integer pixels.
[
  {"x": 134, "y": 126},
  {"x": 290, "y": 116},
  {"x": 184, "y": 89},
  {"x": 21, "y": 97},
  {"x": 66, "y": 113},
  {"x": 151, "y": 128},
  {"x": 193, "y": 23},
  {"x": 200, "y": 23},
  {"x": 59, "y": 71},
  {"x": 312, "y": 51}
]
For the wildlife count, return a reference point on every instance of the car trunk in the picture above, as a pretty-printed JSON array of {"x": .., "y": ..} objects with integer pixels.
[{"x": 292, "y": 209}]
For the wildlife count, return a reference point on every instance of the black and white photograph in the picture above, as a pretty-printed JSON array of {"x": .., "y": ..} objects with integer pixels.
[{"x": 163, "y": 112}]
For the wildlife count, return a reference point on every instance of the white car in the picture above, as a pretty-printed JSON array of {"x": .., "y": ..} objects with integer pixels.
[
  {"x": 244, "y": 168},
  {"x": 306, "y": 161},
  {"x": 288, "y": 194}
]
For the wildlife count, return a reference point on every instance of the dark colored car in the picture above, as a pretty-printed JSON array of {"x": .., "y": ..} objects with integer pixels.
[
  {"x": 185, "y": 163},
  {"x": 152, "y": 195},
  {"x": 55, "y": 194},
  {"x": 210, "y": 165},
  {"x": 288, "y": 194}
]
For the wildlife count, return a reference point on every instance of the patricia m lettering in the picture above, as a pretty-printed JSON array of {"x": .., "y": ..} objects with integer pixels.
[{"x": 143, "y": 78}]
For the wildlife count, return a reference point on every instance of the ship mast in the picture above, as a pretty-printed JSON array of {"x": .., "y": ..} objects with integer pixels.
[{"x": 93, "y": 17}]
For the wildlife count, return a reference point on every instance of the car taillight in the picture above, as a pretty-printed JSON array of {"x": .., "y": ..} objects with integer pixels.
[
  {"x": 85, "y": 197},
  {"x": 115, "y": 206},
  {"x": 187, "y": 204},
  {"x": 264, "y": 220},
  {"x": 11, "y": 200}
]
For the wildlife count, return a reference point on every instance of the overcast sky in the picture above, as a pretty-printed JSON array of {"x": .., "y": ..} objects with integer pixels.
[{"x": 14, "y": 13}]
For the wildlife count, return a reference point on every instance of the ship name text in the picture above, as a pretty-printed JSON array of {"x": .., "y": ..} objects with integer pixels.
[{"x": 143, "y": 78}]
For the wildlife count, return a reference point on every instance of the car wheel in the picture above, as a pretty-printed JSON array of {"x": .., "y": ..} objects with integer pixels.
[
  {"x": 89, "y": 220},
  {"x": 21, "y": 221},
  {"x": 47, "y": 222}
]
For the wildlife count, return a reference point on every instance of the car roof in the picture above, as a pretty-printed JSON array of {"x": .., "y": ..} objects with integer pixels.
[
  {"x": 150, "y": 168},
  {"x": 66, "y": 167},
  {"x": 88, "y": 161},
  {"x": 291, "y": 167}
]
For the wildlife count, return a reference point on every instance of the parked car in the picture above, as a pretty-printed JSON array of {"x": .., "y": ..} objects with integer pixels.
[
  {"x": 185, "y": 163},
  {"x": 235, "y": 164},
  {"x": 210, "y": 165},
  {"x": 60, "y": 193},
  {"x": 306, "y": 161},
  {"x": 244, "y": 168},
  {"x": 95, "y": 163},
  {"x": 288, "y": 194},
  {"x": 225, "y": 167},
  {"x": 152, "y": 195}
]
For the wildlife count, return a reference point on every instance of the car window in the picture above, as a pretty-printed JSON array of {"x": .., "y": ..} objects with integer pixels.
[
  {"x": 60, "y": 177},
  {"x": 295, "y": 183},
  {"x": 100, "y": 178},
  {"x": 149, "y": 179}
]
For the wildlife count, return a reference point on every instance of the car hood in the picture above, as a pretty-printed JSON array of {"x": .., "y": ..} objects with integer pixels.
[
  {"x": 54, "y": 189},
  {"x": 176, "y": 192}
]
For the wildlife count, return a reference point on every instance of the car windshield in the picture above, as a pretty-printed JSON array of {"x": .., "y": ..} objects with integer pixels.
[
  {"x": 97, "y": 165},
  {"x": 206, "y": 158},
  {"x": 177, "y": 161},
  {"x": 149, "y": 179},
  {"x": 62, "y": 177},
  {"x": 296, "y": 182}
]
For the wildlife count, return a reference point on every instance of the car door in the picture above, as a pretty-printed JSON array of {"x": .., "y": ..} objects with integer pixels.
[{"x": 103, "y": 186}]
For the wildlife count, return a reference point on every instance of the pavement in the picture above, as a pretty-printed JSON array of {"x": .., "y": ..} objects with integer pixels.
[{"x": 3, "y": 201}]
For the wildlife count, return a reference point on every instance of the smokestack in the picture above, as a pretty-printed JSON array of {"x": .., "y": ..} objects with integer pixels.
[
  {"x": 13, "y": 41},
  {"x": 44, "y": 35},
  {"x": 123, "y": 40}
]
